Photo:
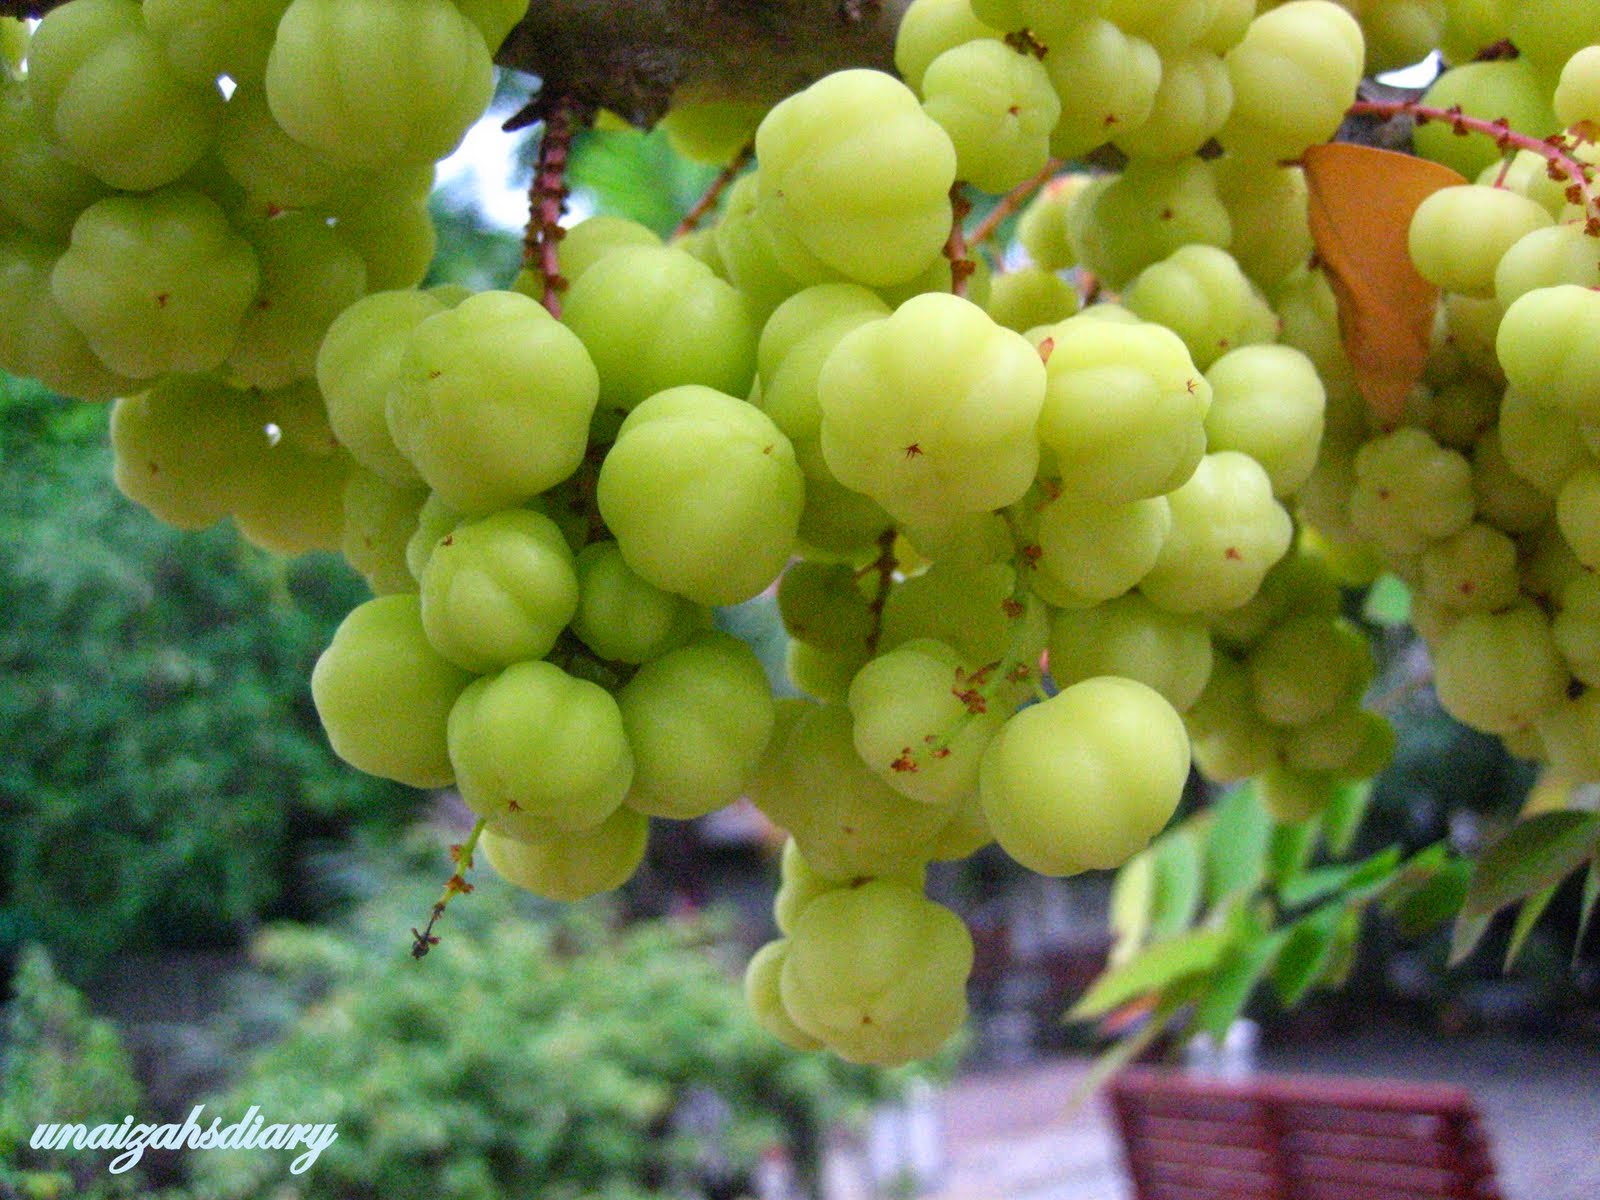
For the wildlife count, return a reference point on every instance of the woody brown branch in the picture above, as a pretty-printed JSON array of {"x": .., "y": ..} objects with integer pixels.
[{"x": 635, "y": 57}]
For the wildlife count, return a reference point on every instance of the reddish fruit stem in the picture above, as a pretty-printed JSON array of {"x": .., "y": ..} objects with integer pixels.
[
  {"x": 1013, "y": 200},
  {"x": 1554, "y": 150},
  {"x": 713, "y": 193},
  {"x": 955, "y": 247},
  {"x": 884, "y": 565},
  {"x": 547, "y": 200},
  {"x": 424, "y": 939}
]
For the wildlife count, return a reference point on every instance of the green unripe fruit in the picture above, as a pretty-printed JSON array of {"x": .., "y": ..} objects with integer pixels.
[
  {"x": 1293, "y": 796},
  {"x": 37, "y": 339},
  {"x": 878, "y": 973},
  {"x": 308, "y": 277},
  {"x": 1107, "y": 81},
  {"x": 1509, "y": 89},
  {"x": 358, "y": 364},
  {"x": 1293, "y": 76},
  {"x": 205, "y": 39},
  {"x": 762, "y": 996},
  {"x": 157, "y": 282},
  {"x": 492, "y": 401},
  {"x": 1029, "y": 297},
  {"x": 845, "y": 820},
  {"x": 1307, "y": 667},
  {"x": 539, "y": 752},
  {"x": 912, "y": 728},
  {"x": 1227, "y": 532},
  {"x": 499, "y": 590},
  {"x": 1268, "y": 402},
  {"x": 799, "y": 884},
  {"x": 1202, "y": 295},
  {"x": 1094, "y": 552},
  {"x": 379, "y": 519},
  {"x": 703, "y": 495},
  {"x": 1131, "y": 637},
  {"x": 1085, "y": 779},
  {"x": 384, "y": 694},
  {"x": 106, "y": 93},
  {"x": 932, "y": 410},
  {"x": 40, "y": 187},
  {"x": 997, "y": 106},
  {"x": 1124, "y": 409},
  {"x": 585, "y": 244},
  {"x": 655, "y": 317},
  {"x": 1577, "y": 96},
  {"x": 187, "y": 481},
  {"x": 1458, "y": 235},
  {"x": 572, "y": 866},
  {"x": 1546, "y": 345},
  {"x": 929, "y": 28},
  {"x": 821, "y": 604},
  {"x": 1475, "y": 569},
  {"x": 854, "y": 170},
  {"x": 698, "y": 719},
  {"x": 369, "y": 83},
  {"x": 624, "y": 618},
  {"x": 1499, "y": 672}
]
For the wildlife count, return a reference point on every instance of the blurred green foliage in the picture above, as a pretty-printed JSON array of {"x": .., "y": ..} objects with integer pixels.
[
  {"x": 636, "y": 175},
  {"x": 161, "y": 765},
  {"x": 556, "y": 1058},
  {"x": 60, "y": 1065}
]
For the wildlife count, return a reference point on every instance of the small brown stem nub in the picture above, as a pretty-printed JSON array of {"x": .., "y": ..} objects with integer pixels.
[
  {"x": 713, "y": 193},
  {"x": 425, "y": 939},
  {"x": 547, "y": 199}
]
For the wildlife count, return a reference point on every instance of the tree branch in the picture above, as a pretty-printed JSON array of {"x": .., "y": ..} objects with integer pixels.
[{"x": 635, "y": 57}]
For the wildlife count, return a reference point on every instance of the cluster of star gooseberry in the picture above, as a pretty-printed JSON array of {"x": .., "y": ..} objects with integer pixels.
[{"x": 956, "y": 476}]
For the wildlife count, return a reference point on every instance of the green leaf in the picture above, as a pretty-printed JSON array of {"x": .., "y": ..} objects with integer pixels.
[
  {"x": 1179, "y": 870},
  {"x": 1236, "y": 844},
  {"x": 1531, "y": 857},
  {"x": 1465, "y": 936},
  {"x": 1342, "y": 954},
  {"x": 1354, "y": 881},
  {"x": 1289, "y": 850},
  {"x": 1428, "y": 890},
  {"x": 1120, "y": 1055},
  {"x": 1591, "y": 894},
  {"x": 1306, "y": 952},
  {"x": 1250, "y": 955},
  {"x": 1527, "y": 917},
  {"x": 1158, "y": 966},
  {"x": 1388, "y": 601},
  {"x": 1342, "y": 818},
  {"x": 1131, "y": 893}
]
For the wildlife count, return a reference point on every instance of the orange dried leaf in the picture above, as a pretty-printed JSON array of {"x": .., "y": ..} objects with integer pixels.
[{"x": 1362, "y": 200}]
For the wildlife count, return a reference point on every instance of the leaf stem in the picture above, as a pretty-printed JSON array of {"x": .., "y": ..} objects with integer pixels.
[
  {"x": 1011, "y": 201},
  {"x": 713, "y": 193}
]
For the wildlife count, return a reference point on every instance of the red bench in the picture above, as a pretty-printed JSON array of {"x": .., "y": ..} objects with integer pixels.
[{"x": 1299, "y": 1138}]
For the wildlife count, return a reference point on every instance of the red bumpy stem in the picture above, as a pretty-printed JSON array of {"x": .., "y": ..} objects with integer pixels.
[
  {"x": 547, "y": 200},
  {"x": 1555, "y": 150}
]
